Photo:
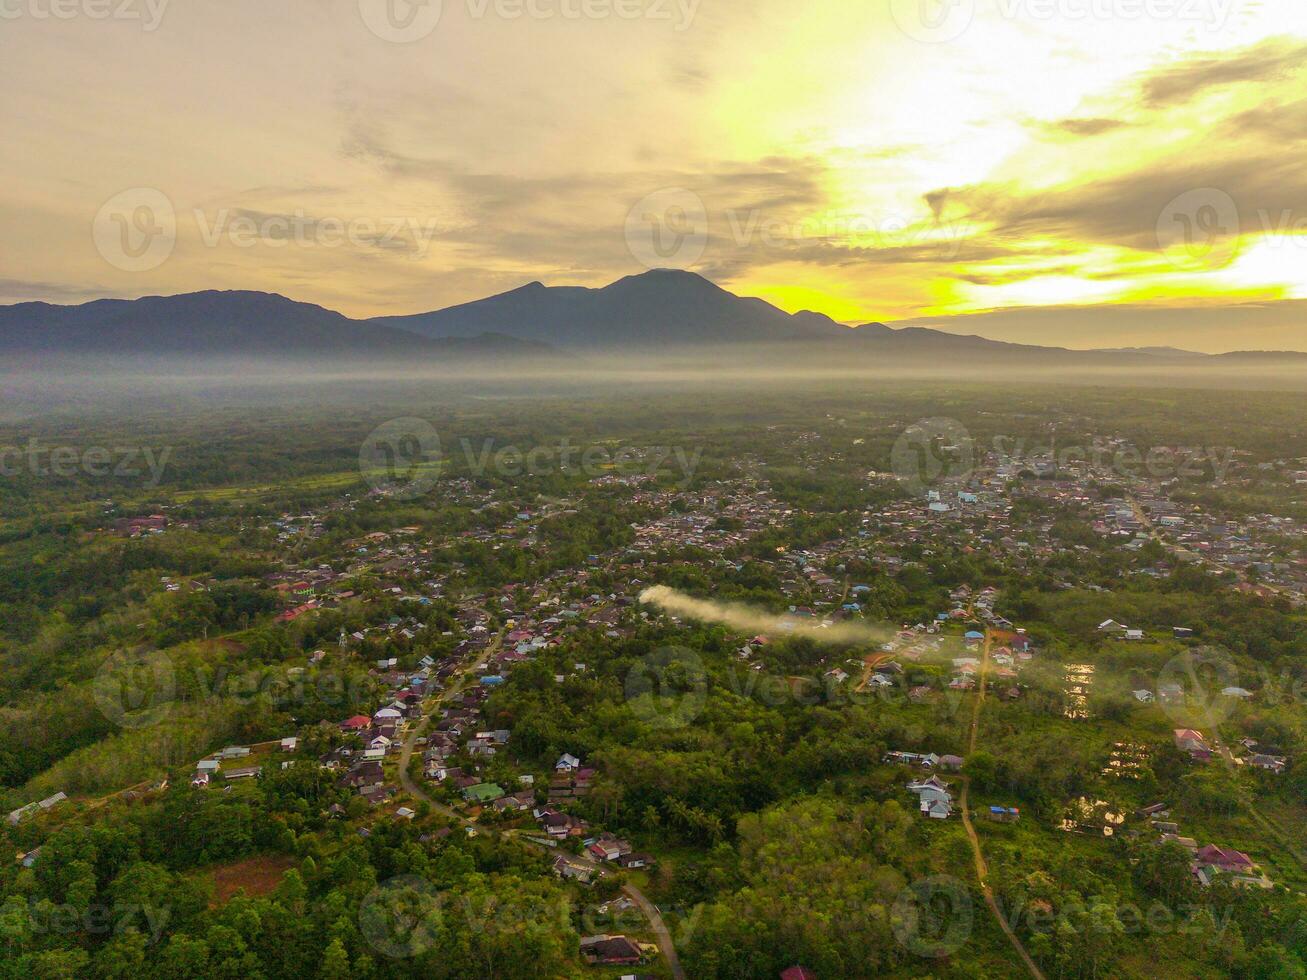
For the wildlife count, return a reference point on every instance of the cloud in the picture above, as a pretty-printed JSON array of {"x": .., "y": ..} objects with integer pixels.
[
  {"x": 1087, "y": 127},
  {"x": 1223, "y": 144},
  {"x": 24, "y": 290},
  {"x": 1272, "y": 60}
]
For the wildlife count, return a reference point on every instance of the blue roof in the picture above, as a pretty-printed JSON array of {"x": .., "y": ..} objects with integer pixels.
[{"x": 973, "y": 635}]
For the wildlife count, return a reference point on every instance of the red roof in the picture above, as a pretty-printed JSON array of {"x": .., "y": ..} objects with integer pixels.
[{"x": 358, "y": 721}]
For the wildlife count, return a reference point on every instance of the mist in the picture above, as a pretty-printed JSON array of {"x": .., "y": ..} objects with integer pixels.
[{"x": 749, "y": 620}]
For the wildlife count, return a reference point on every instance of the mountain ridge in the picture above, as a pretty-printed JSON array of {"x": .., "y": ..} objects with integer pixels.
[{"x": 653, "y": 312}]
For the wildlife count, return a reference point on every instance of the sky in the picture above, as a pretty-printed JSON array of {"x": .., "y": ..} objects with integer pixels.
[{"x": 1081, "y": 173}]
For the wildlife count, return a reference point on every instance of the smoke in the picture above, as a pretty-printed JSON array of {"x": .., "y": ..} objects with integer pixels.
[{"x": 749, "y": 620}]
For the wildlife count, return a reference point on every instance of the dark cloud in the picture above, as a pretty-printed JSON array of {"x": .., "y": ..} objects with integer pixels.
[
  {"x": 1177, "y": 84},
  {"x": 1087, "y": 127}
]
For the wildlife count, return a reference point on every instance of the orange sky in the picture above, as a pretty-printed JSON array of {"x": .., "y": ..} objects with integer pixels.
[{"x": 1094, "y": 160}]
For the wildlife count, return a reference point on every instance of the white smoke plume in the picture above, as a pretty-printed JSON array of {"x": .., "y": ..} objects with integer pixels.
[{"x": 749, "y": 620}]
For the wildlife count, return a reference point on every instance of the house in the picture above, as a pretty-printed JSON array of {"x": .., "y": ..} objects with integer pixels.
[
  {"x": 567, "y": 763},
  {"x": 404, "y": 813},
  {"x": 1270, "y": 763},
  {"x": 1143, "y": 696},
  {"x": 606, "y": 847},
  {"x": 1188, "y": 740},
  {"x": 610, "y": 951},
  {"x": 937, "y": 809},
  {"x": 928, "y": 759},
  {"x": 572, "y": 871},
  {"x": 364, "y": 775},
  {"x": 482, "y": 793},
  {"x": 247, "y": 773},
  {"x": 289, "y": 744},
  {"x": 635, "y": 861},
  {"x": 1224, "y": 859},
  {"x": 1004, "y": 814},
  {"x": 930, "y": 789}
]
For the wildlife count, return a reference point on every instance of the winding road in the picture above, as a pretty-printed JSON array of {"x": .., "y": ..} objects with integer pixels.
[{"x": 457, "y": 684}]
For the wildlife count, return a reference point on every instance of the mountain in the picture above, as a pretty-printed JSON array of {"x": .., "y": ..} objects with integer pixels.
[
  {"x": 656, "y": 310},
  {"x": 669, "y": 318},
  {"x": 667, "y": 312},
  {"x": 224, "y": 324}
]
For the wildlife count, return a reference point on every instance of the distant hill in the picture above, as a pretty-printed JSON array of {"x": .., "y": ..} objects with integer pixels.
[
  {"x": 669, "y": 317},
  {"x": 665, "y": 312},
  {"x": 658, "y": 309},
  {"x": 224, "y": 324}
]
